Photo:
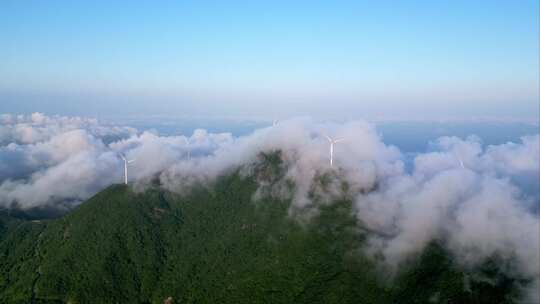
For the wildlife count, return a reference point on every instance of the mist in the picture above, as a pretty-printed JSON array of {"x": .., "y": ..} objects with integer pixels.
[{"x": 477, "y": 200}]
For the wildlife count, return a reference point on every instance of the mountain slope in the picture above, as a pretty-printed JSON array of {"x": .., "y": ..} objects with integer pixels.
[{"x": 216, "y": 245}]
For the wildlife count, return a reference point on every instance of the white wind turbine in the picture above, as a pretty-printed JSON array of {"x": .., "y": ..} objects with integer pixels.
[
  {"x": 126, "y": 162},
  {"x": 461, "y": 164},
  {"x": 332, "y": 143},
  {"x": 188, "y": 148}
]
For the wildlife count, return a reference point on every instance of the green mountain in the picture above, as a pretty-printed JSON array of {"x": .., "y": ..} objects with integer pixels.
[{"x": 216, "y": 245}]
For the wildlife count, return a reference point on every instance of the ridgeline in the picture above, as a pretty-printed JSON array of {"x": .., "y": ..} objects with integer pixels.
[{"x": 216, "y": 245}]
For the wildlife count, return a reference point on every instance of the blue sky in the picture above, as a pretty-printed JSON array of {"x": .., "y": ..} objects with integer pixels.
[{"x": 333, "y": 59}]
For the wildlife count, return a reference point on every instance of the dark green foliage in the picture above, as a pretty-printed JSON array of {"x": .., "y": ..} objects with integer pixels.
[
  {"x": 19, "y": 259},
  {"x": 433, "y": 276},
  {"x": 215, "y": 245}
]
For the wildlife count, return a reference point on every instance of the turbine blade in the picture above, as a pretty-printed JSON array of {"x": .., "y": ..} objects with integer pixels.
[{"x": 339, "y": 139}]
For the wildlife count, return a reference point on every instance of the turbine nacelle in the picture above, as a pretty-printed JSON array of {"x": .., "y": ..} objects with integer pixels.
[{"x": 334, "y": 141}]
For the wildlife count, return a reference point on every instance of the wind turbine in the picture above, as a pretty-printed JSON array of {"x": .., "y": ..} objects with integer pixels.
[
  {"x": 274, "y": 122},
  {"x": 126, "y": 162},
  {"x": 461, "y": 162},
  {"x": 188, "y": 148},
  {"x": 332, "y": 143}
]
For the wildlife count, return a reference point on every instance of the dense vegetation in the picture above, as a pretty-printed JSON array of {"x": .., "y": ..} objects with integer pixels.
[{"x": 216, "y": 245}]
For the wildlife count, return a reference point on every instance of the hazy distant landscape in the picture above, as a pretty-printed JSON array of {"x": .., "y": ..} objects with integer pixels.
[{"x": 409, "y": 136}]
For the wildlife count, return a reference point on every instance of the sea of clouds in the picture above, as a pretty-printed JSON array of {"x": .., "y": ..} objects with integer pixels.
[{"x": 475, "y": 199}]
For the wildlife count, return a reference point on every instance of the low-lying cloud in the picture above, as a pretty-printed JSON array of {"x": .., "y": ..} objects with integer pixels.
[{"x": 478, "y": 201}]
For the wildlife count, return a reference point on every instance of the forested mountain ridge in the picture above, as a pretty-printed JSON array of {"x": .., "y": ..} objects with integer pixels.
[{"x": 215, "y": 244}]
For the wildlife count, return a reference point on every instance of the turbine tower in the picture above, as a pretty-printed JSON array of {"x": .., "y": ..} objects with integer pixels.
[
  {"x": 332, "y": 143},
  {"x": 126, "y": 162},
  {"x": 188, "y": 148}
]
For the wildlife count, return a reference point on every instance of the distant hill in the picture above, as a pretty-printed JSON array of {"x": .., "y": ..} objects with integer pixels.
[{"x": 216, "y": 245}]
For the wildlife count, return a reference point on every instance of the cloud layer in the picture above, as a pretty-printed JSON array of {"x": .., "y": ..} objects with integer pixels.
[{"x": 478, "y": 201}]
